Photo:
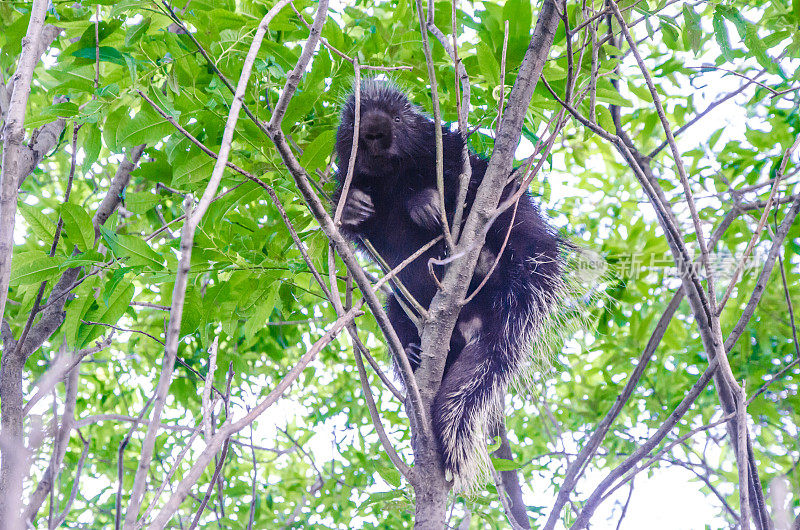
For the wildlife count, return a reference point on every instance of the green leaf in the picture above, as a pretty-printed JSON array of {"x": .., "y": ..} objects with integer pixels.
[
  {"x": 68, "y": 76},
  {"x": 92, "y": 112},
  {"x": 612, "y": 97},
  {"x": 141, "y": 202},
  {"x": 115, "y": 121},
  {"x": 692, "y": 32},
  {"x": 714, "y": 138},
  {"x": 64, "y": 109},
  {"x": 79, "y": 260},
  {"x": 108, "y": 92},
  {"x": 390, "y": 474},
  {"x": 135, "y": 33},
  {"x": 166, "y": 103},
  {"x": 146, "y": 127},
  {"x": 300, "y": 106},
  {"x": 76, "y": 309},
  {"x": 192, "y": 312},
  {"x": 488, "y": 64},
  {"x": 670, "y": 34},
  {"x": 34, "y": 269},
  {"x": 91, "y": 146},
  {"x": 261, "y": 314},
  {"x": 157, "y": 169},
  {"x": 123, "y": 6},
  {"x": 79, "y": 226},
  {"x": 193, "y": 170},
  {"x": 136, "y": 251},
  {"x": 604, "y": 118},
  {"x": 106, "y": 313},
  {"x": 132, "y": 68},
  {"x": 735, "y": 17},
  {"x": 107, "y": 54},
  {"x": 757, "y": 47},
  {"x": 503, "y": 464},
  {"x": 43, "y": 228},
  {"x": 381, "y": 496},
  {"x": 316, "y": 153},
  {"x": 721, "y": 35},
  {"x": 113, "y": 282}
]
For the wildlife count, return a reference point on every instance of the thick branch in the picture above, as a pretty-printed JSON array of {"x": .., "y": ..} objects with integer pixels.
[
  {"x": 11, "y": 172},
  {"x": 59, "y": 448}
]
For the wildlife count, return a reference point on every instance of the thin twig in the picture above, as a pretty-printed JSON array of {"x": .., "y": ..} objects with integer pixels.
[
  {"x": 437, "y": 120},
  {"x": 625, "y": 506},
  {"x": 121, "y": 463},
  {"x": 501, "y": 491},
  {"x": 596, "y": 497},
  {"x": 701, "y": 240},
  {"x": 401, "y": 466},
  {"x": 351, "y": 164},
  {"x": 761, "y": 223},
  {"x": 741, "y": 454},
  {"x": 75, "y": 483},
  {"x": 187, "y": 237},
  {"x": 175, "y": 467},
  {"x": 502, "y": 75},
  {"x": 206, "y": 399},
  {"x": 230, "y": 428},
  {"x": 255, "y": 479}
]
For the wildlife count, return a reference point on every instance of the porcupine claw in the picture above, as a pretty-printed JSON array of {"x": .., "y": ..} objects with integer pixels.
[{"x": 414, "y": 355}]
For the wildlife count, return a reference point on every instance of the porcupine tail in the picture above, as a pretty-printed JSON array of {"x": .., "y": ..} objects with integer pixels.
[{"x": 545, "y": 301}]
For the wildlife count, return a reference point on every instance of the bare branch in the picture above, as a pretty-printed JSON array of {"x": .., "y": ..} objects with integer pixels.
[
  {"x": 376, "y": 420},
  {"x": 761, "y": 223},
  {"x": 711, "y": 299},
  {"x": 181, "y": 280},
  {"x": 351, "y": 164},
  {"x": 741, "y": 455},
  {"x": 75, "y": 484},
  {"x": 60, "y": 444},
  {"x": 319, "y": 211},
  {"x": 206, "y": 402},
  {"x": 230, "y": 428},
  {"x": 437, "y": 121},
  {"x": 11, "y": 467},
  {"x": 61, "y": 367},
  {"x": 697, "y": 117},
  {"x": 763, "y": 277},
  {"x": 501, "y": 492},
  {"x": 121, "y": 463},
  {"x": 210, "y": 489},
  {"x": 596, "y": 497}
]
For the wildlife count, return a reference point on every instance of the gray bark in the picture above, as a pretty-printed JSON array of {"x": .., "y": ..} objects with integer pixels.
[{"x": 431, "y": 491}]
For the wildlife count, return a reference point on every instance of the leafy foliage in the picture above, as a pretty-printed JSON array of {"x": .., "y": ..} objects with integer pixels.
[{"x": 316, "y": 460}]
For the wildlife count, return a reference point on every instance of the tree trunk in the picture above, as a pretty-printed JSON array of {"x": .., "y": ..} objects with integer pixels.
[{"x": 429, "y": 484}]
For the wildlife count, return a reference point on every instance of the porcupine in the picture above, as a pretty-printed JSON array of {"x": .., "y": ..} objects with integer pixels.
[{"x": 393, "y": 202}]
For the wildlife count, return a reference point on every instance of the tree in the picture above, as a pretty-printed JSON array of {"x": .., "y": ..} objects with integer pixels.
[{"x": 174, "y": 289}]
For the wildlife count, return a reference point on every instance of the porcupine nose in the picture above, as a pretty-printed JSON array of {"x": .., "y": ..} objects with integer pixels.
[{"x": 376, "y": 131}]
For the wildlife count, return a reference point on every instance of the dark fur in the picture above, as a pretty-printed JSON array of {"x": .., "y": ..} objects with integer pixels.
[{"x": 392, "y": 203}]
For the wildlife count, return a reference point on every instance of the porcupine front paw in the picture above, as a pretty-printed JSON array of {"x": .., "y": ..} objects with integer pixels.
[
  {"x": 358, "y": 208},
  {"x": 414, "y": 355},
  {"x": 424, "y": 209}
]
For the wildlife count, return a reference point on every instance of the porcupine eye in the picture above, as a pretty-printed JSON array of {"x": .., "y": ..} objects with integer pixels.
[{"x": 397, "y": 119}]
